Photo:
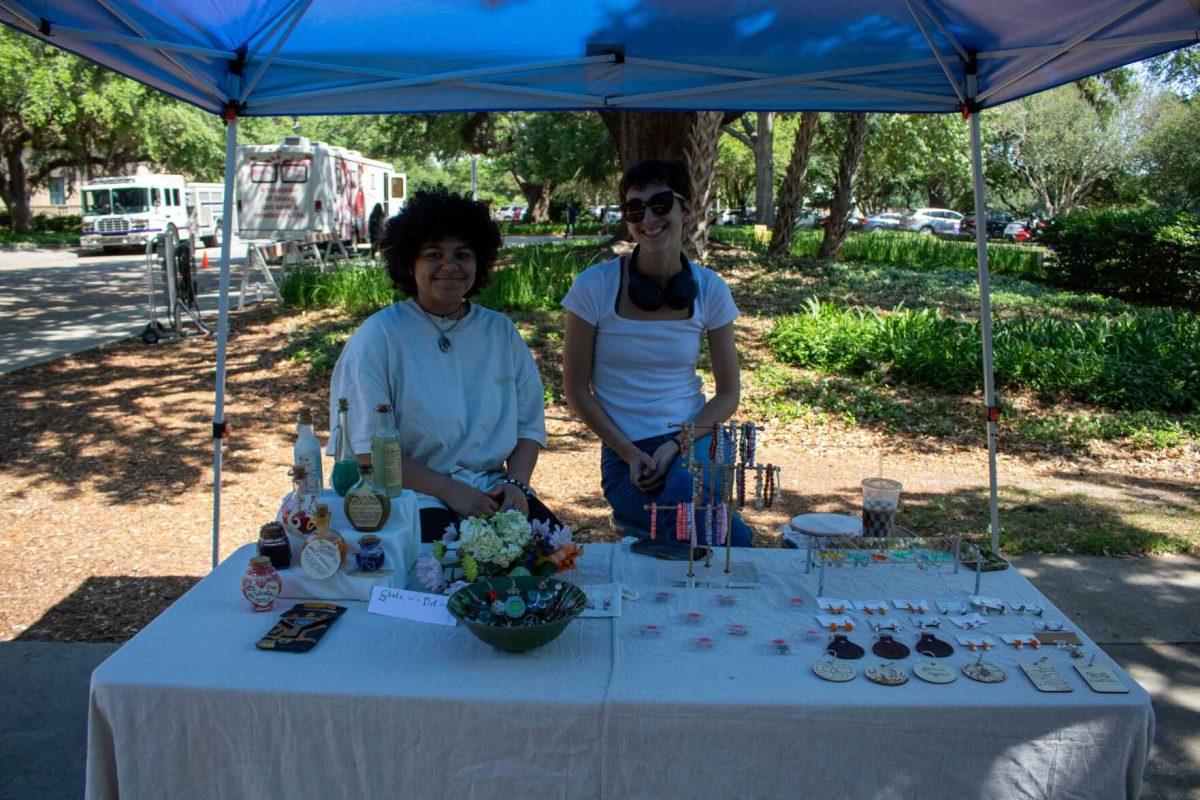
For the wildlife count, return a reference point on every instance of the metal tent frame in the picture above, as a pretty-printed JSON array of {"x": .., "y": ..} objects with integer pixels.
[{"x": 272, "y": 57}]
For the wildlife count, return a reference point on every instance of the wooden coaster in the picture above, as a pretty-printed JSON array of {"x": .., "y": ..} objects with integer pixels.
[
  {"x": 933, "y": 672},
  {"x": 984, "y": 672},
  {"x": 1101, "y": 679},
  {"x": 887, "y": 675},
  {"x": 832, "y": 670},
  {"x": 1046, "y": 677}
]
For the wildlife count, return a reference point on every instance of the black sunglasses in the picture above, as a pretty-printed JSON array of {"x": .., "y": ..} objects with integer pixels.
[{"x": 661, "y": 204}]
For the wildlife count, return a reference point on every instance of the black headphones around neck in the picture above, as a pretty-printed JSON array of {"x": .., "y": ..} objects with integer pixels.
[{"x": 650, "y": 295}]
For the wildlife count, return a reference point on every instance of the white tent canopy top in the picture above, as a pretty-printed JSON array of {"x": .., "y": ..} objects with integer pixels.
[{"x": 291, "y": 57}]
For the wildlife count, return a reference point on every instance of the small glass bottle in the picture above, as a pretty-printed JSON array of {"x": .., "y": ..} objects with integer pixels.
[
  {"x": 261, "y": 584},
  {"x": 307, "y": 452},
  {"x": 385, "y": 452},
  {"x": 369, "y": 557},
  {"x": 345, "y": 465},
  {"x": 273, "y": 543},
  {"x": 366, "y": 505},
  {"x": 325, "y": 551},
  {"x": 298, "y": 509}
]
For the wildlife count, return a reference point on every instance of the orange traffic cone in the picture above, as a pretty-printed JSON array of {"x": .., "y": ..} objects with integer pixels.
[{"x": 204, "y": 261}]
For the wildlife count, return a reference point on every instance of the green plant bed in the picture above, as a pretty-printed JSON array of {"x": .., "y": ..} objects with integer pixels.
[
  {"x": 69, "y": 238},
  {"x": 1140, "y": 359}
]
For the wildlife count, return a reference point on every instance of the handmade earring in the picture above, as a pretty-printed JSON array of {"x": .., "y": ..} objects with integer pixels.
[{"x": 653, "y": 521}]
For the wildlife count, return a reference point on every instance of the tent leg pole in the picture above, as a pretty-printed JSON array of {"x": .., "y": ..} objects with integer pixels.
[
  {"x": 985, "y": 324},
  {"x": 223, "y": 332}
]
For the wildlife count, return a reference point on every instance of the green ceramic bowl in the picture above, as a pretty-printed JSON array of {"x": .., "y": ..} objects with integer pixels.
[{"x": 464, "y": 604}]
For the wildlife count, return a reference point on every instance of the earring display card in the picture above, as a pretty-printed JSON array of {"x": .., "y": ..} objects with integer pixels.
[
  {"x": 841, "y": 622},
  {"x": 1059, "y": 637},
  {"x": 1101, "y": 679},
  {"x": 1046, "y": 677},
  {"x": 834, "y": 605},
  {"x": 969, "y": 621},
  {"x": 953, "y": 607},
  {"x": 912, "y": 605},
  {"x": 872, "y": 607}
]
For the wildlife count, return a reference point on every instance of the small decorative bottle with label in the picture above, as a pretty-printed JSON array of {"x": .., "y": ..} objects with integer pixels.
[
  {"x": 325, "y": 550},
  {"x": 385, "y": 452},
  {"x": 366, "y": 505},
  {"x": 345, "y": 465},
  {"x": 261, "y": 584},
  {"x": 299, "y": 507},
  {"x": 369, "y": 557}
]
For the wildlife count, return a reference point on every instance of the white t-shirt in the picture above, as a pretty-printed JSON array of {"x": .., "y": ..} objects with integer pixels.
[
  {"x": 644, "y": 371},
  {"x": 458, "y": 413}
]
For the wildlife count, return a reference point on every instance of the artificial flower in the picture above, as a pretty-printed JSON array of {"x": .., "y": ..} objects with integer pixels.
[
  {"x": 429, "y": 573},
  {"x": 564, "y": 557},
  {"x": 470, "y": 567},
  {"x": 439, "y": 550},
  {"x": 561, "y": 536}
]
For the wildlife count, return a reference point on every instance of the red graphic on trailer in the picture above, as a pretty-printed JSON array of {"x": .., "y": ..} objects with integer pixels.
[{"x": 352, "y": 210}]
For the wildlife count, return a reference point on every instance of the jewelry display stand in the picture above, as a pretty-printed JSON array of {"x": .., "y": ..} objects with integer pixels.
[
  {"x": 929, "y": 553},
  {"x": 732, "y": 461}
]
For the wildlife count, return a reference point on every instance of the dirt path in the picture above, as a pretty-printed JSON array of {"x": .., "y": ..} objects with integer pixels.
[{"x": 105, "y": 497}]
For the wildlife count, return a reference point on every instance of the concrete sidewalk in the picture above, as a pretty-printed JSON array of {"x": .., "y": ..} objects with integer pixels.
[{"x": 1143, "y": 612}]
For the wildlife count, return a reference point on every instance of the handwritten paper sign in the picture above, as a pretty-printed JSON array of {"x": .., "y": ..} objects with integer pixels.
[{"x": 404, "y": 604}]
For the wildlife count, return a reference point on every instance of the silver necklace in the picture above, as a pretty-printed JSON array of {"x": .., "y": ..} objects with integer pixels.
[{"x": 444, "y": 343}]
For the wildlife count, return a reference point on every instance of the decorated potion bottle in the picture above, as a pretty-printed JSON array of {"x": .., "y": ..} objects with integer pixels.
[
  {"x": 261, "y": 584},
  {"x": 325, "y": 550},
  {"x": 369, "y": 557},
  {"x": 273, "y": 543},
  {"x": 307, "y": 452},
  {"x": 366, "y": 505},
  {"x": 385, "y": 452},
  {"x": 345, "y": 465},
  {"x": 299, "y": 508}
]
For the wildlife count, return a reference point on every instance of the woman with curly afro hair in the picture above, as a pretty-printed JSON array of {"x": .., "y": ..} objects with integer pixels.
[{"x": 465, "y": 393}]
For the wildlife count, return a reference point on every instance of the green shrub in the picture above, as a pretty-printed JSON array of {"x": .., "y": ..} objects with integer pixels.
[
  {"x": 1145, "y": 255},
  {"x": 1140, "y": 359}
]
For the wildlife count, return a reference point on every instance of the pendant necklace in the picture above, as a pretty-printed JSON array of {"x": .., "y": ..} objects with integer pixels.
[{"x": 444, "y": 343}]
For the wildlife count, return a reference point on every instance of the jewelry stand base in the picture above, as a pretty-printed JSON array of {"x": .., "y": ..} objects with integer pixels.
[{"x": 742, "y": 575}]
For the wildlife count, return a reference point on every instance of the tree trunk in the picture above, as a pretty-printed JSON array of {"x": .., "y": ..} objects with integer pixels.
[
  {"x": 648, "y": 134},
  {"x": 843, "y": 190},
  {"x": 702, "y": 159},
  {"x": 764, "y": 168},
  {"x": 791, "y": 191},
  {"x": 16, "y": 189},
  {"x": 537, "y": 199}
]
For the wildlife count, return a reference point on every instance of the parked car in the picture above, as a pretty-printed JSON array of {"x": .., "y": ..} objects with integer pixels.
[
  {"x": 885, "y": 221},
  {"x": 729, "y": 216},
  {"x": 933, "y": 220},
  {"x": 807, "y": 218},
  {"x": 1025, "y": 230},
  {"x": 508, "y": 213},
  {"x": 611, "y": 214},
  {"x": 854, "y": 221},
  {"x": 996, "y": 222}
]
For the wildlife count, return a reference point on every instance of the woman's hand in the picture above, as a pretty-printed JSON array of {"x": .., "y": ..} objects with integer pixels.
[
  {"x": 509, "y": 495},
  {"x": 641, "y": 468},
  {"x": 467, "y": 501},
  {"x": 663, "y": 457}
]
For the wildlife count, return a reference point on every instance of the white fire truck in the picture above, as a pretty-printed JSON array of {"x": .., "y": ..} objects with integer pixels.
[
  {"x": 302, "y": 191},
  {"x": 130, "y": 210}
]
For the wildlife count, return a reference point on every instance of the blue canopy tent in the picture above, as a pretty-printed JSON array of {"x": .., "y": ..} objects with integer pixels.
[{"x": 242, "y": 58}]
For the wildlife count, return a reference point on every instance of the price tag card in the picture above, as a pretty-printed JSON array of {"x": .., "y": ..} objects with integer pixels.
[
  {"x": 1046, "y": 677},
  {"x": 1101, "y": 679},
  {"x": 404, "y": 604}
]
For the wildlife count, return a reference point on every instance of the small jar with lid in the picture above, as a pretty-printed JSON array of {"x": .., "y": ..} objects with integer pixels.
[
  {"x": 369, "y": 557},
  {"x": 273, "y": 543},
  {"x": 261, "y": 584}
]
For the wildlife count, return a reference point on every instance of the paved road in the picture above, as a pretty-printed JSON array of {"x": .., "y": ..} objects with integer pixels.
[{"x": 55, "y": 302}]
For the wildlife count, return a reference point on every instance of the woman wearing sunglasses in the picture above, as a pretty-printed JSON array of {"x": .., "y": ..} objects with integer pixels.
[{"x": 633, "y": 331}]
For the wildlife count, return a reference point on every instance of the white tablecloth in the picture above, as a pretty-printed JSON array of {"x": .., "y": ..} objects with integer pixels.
[{"x": 395, "y": 709}]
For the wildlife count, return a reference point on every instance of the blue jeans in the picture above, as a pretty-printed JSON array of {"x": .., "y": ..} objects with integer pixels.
[{"x": 627, "y": 499}]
